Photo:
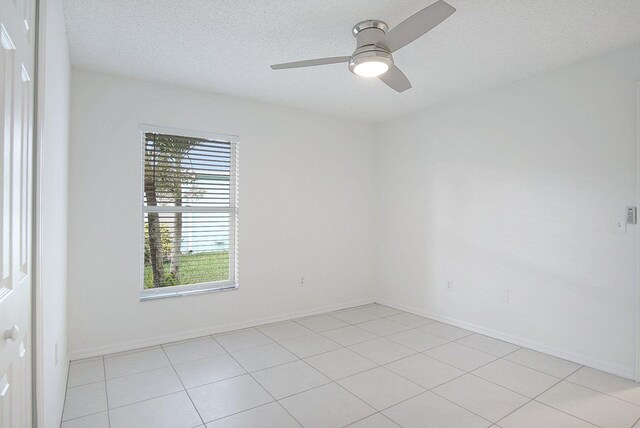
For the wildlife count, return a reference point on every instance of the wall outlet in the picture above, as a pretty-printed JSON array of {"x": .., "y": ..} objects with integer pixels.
[
  {"x": 301, "y": 281},
  {"x": 449, "y": 285}
]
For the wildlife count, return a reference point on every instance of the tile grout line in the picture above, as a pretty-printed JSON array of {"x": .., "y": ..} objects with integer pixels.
[
  {"x": 331, "y": 380},
  {"x": 388, "y": 362},
  {"x": 562, "y": 411},
  {"x": 290, "y": 338},
  {"x": 84, "y": 416},
  {"x": 377, "y": 365},
  {"x": 332, "y": 340},
  {"x": 354, "y": 395},
  {"x": 544, "y": 404},
  {"x": 435, "y": 393},
  {"x": 232, "y": 377},
  {"x": 170, "y": 393},
  {"x": 86, "y": 384},
  {"x": 265, "y": 389},
  {"x": 299, "y": 392},
  {"x": 462, "y": 407},
  {"x": 393, "y": 405},
  {"x": 344, "y": 377},
  {"x": 376, "y": 413},
  {"x": 486, "y": 352},
  {"x": 215, "y": 381},
  {"x": 120, "y": 377},
  {"x": 265, "y": 368},
  {"x": 182, "y": 383},
  {"x": 312, "y": 355},
  {"x": 64, "y": 401},
  {"x": 497, "y": 358},
  {"x": 350, "y": 323},
  {"x": 193, "y": 361},
  {"x": 444, "y": 398},
  {"x": 148, "y": 399},
  {"x": 480, "y": 334},
  {"x": 242, "y": 411},
  {"x": 600, "y": 392},
  {"x": 383, "y": 367},
  {"x": 424, "y": 387},
  {"x": 560, "y": 380},
  {"x": 106, "y": 391},
  {"x": 540, "y": 371},
  {"x": 122, "y": 353},
  {"x": 470, "y": 373},
  {"x": 138, "y": 372},
  {"x": 566, "y": 413},
  {"x": 228, "y": 351},
  {"x": 353, "y": 344},
  {"x": 508, "y": 389}
]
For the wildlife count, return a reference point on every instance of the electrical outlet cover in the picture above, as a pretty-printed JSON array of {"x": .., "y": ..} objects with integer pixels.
[{"x": 620, "y": 225}]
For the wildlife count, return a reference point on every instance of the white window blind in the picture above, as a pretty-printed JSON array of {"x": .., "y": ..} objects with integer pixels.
[{"x": 190, "y": 202}]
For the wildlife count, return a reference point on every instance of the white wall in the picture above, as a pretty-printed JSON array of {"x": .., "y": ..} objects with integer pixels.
[
  {"x": 516, "y": 190},
  {"x": 307, "y": 208},
  {"x": 51, "y": 292},
  {"x": 511, "y": 193}
]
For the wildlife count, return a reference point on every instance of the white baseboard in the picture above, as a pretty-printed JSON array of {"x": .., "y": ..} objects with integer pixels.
[
  {"x": 595, "y": 363},
  {"x": 192, "y": 334}
]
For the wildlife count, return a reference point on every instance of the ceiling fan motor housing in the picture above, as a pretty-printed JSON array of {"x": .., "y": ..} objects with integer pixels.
[
  {"x": 361, "y": 31},
  {"x": 367, "y": 34}
]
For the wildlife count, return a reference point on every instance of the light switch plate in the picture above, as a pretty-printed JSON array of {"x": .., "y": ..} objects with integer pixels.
[
  {"x": 621, "y": 225},
  {"x": 632, "y": 215}
]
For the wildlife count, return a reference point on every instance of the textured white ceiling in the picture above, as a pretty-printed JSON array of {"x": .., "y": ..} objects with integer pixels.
[{"x": 226, "y": 46}]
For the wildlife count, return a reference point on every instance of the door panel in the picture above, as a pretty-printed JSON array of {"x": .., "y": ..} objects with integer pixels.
[
  {"x": 7, "y": 65},
  {"x": 24, "y": 154},
  {"x": 16, "y": 143}
]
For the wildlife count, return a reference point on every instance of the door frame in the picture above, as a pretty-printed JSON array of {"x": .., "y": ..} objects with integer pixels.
[
  {"x": 37, "y": 364},
  {"x": 637, "y": 231}
]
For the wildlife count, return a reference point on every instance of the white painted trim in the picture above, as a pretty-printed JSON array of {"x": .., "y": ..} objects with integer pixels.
[
  {"x": 192, "y": 334},
  {"x": 205, "y": 135},
  {"x": 637, "y": 374},
  {"x": 187, "y": 290},
  {"x": 516, "y": 340},
  {"x": 37, "y": 342},
  {"x": 40, "y": 78}
]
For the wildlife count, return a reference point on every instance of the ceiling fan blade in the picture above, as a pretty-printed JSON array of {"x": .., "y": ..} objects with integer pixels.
[
  {"x": 395, "y": 79},
  {"x": 311, "y": 62},
  {"x": 416, "y": 25}
]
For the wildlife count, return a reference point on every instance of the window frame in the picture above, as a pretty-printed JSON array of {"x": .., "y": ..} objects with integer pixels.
[{"x": 204, "y": 287}]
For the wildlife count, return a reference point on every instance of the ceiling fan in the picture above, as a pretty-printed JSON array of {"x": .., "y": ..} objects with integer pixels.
[{"x": 375, "y": 43}]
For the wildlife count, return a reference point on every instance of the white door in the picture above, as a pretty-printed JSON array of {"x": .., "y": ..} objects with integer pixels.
[{"x": 17, "y": 54}]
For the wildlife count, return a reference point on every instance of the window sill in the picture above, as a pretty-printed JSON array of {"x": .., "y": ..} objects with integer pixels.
[{"x": 155, "y": 294}]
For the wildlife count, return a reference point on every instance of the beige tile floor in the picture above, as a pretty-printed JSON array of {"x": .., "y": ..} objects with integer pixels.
[{"x": 371, "y": 366}]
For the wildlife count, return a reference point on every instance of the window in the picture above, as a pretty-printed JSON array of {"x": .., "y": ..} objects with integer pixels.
[{"x": 189, "y": 210}]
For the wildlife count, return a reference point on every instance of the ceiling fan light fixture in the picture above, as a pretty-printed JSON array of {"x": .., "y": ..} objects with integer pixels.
[
  {"x": 371, "y": 68},
  {"x": 371, "y": 63}
]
